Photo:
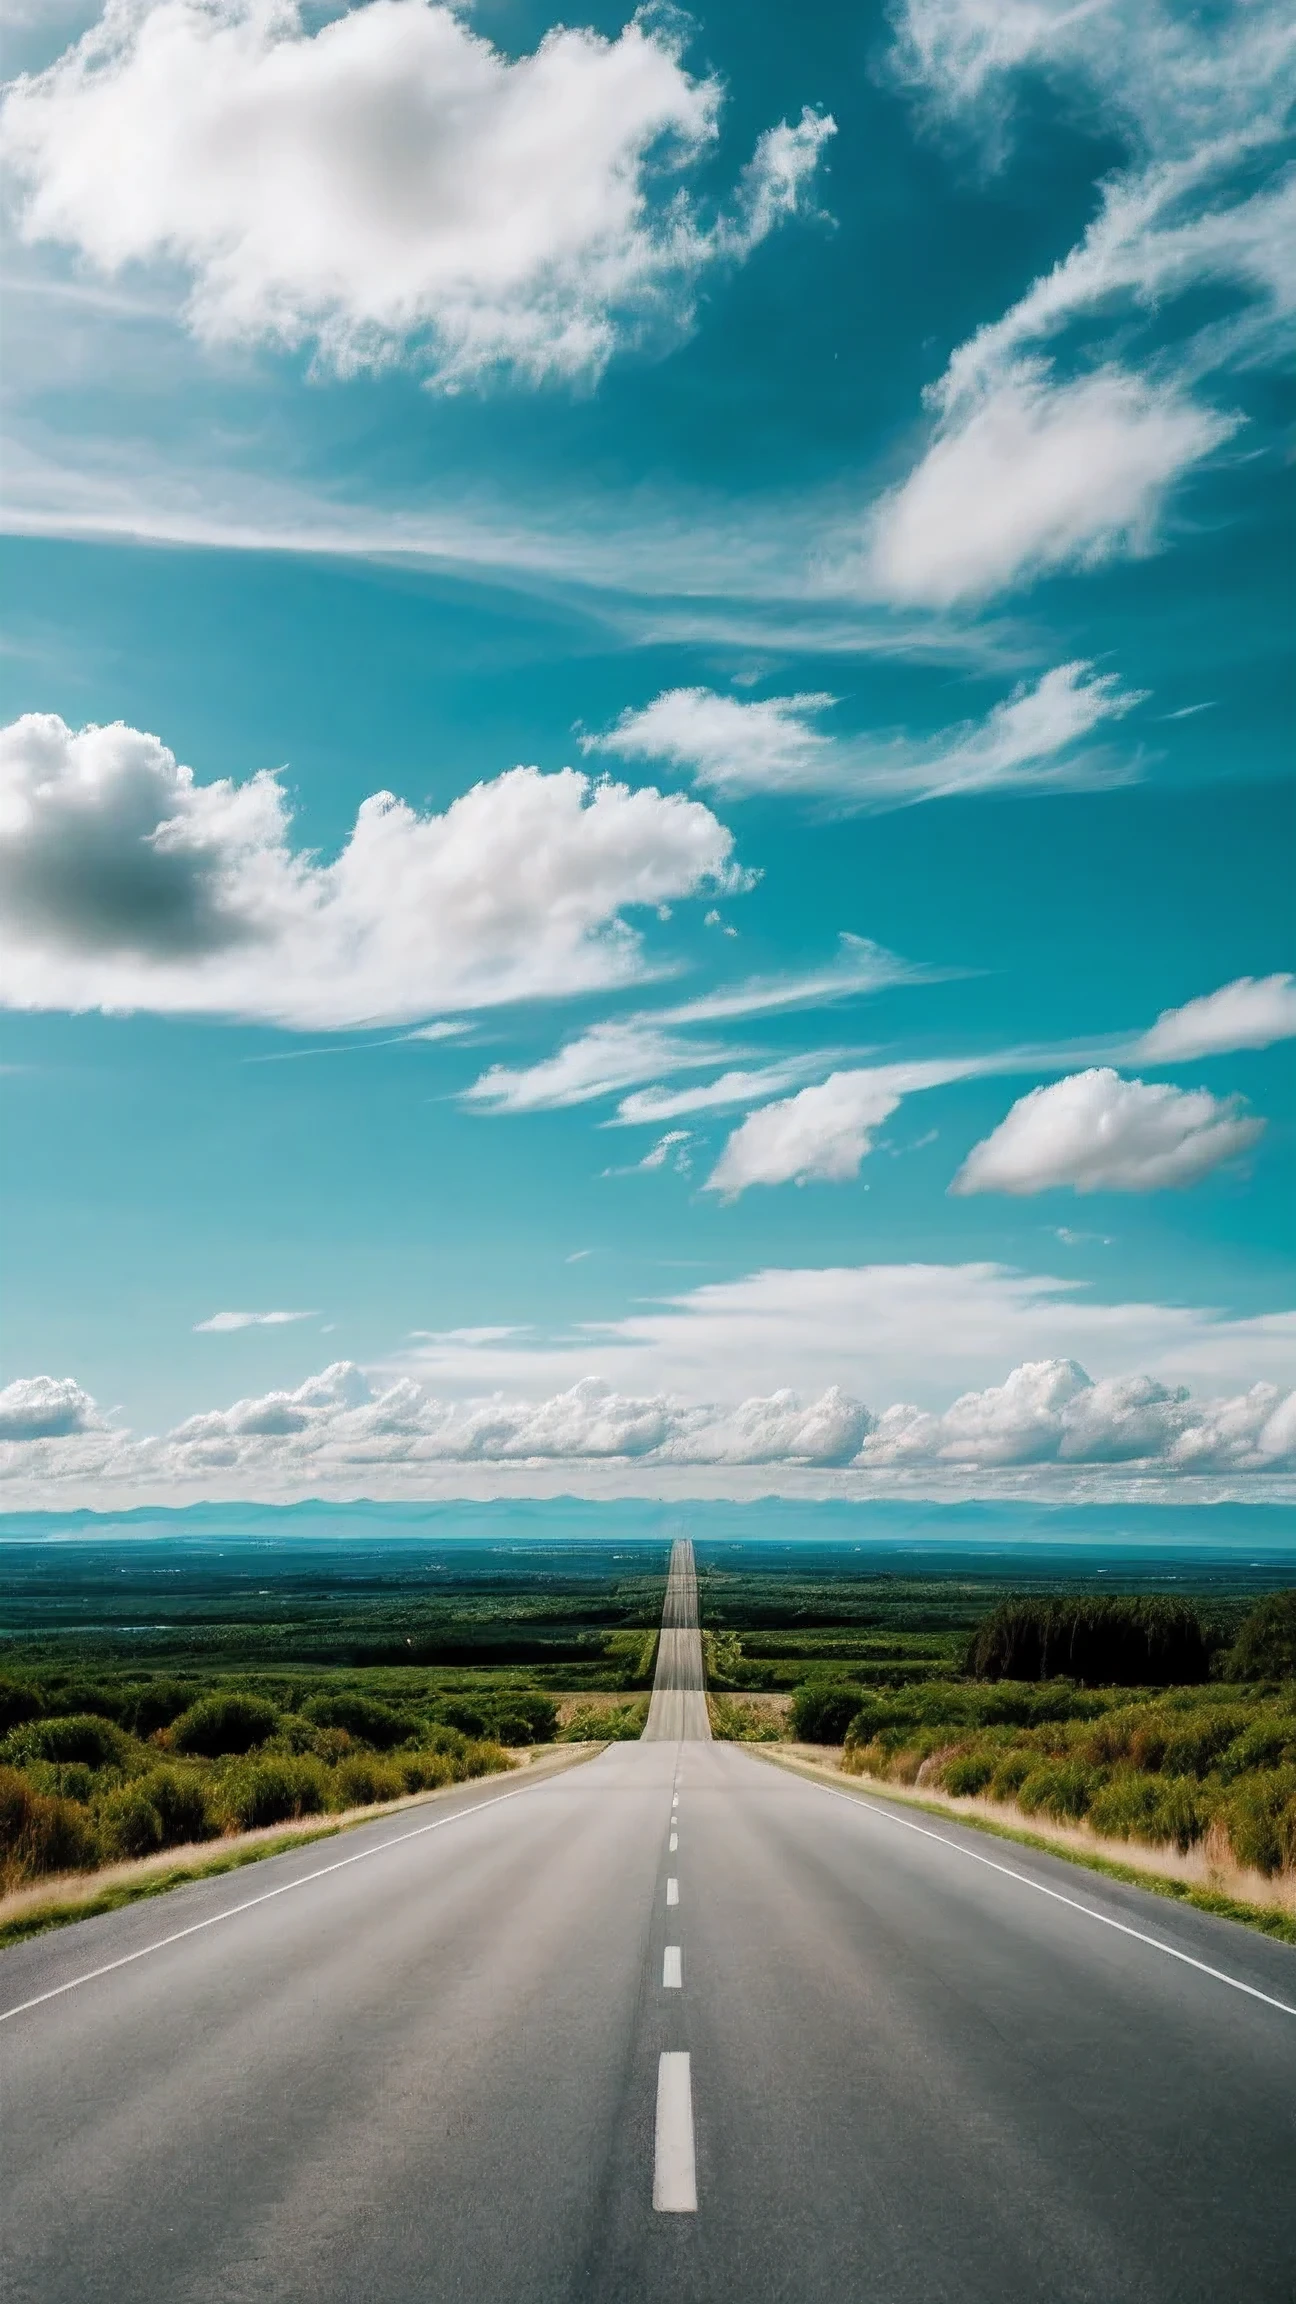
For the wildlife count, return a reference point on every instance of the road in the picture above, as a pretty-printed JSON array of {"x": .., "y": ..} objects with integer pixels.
[{"x": 861, "y": 2056}]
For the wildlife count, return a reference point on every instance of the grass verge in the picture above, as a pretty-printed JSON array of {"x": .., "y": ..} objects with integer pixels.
[
  {"x": 1267, "y": 1920},
  {"x": 136, "y": 1883}
]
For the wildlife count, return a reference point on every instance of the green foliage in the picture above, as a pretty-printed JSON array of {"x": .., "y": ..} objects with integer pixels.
[
  {"x": 362, "y": 1718},
  {"x": 1127, "y": 1641},
  {"x": 78, "y": 1736},
  {"x": 155, "y": 1706},
  {"x": 41, "y": 1833},
  {"x": 722, "y": 1655},
  {"x": 605, "y": 1723},
  {"x": 1164, "y": 1768},
  {"x": 18, "y": 1704},
  {"x": 1265, "y": 1648},
  {"x": 268, "y": 1791},
  {"x": 219, "y": 1725},
  {"x": 822, "y": 1715},
  {"x": 739, "y": 1723}
]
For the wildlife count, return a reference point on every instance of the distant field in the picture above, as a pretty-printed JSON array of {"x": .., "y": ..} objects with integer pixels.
[{"x": 159, "y": 1686}]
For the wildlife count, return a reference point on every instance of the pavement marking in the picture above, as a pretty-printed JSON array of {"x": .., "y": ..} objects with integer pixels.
[
  {"x": 674, "y": 2160},
  {"x": 213, "y": 1921},
  {"x": 674, "y": 1842},
  {"x": 672, "y": 1891},
  {"x": 672, "y": 1969},
  {"x": 1056, "y": 1896}
]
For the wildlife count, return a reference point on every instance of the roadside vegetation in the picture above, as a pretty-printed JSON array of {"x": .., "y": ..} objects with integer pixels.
[
  {"x": 94, "y": 1771},
  {"x": 1136, "y": 1720}
]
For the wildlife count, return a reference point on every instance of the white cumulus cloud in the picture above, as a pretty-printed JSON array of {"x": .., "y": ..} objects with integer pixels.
[
  {"x": 1252, "y": 1012},
  {"x": 128, "y": 884},
  {"x": 1050, "y": 1411},
  {"x": 822, "y": 1134},
  {"x": 389, "y": 183},
  {"x": 344, "y": 1432},
  {"x": 46, "y": 1408},
  {"x": 1036, "y": 738},
  {"x": 1099, "y": 1133}
]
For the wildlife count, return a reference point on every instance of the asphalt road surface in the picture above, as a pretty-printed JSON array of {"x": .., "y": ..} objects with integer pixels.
[{"x": 673, "y": 2025}]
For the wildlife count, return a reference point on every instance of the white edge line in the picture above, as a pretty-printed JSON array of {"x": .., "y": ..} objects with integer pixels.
[
  {"x": 873, "y": 1808},
  {"x": 214, "y": 1919}
]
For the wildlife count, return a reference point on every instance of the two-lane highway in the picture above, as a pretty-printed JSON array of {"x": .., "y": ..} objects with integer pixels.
[{"x": 674, "y": 2025}]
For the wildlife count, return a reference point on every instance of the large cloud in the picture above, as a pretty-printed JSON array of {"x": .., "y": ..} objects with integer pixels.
[
  {"x": 1029, "y": 475},
  {"x": 1049, "y": 1411},
  {"x": 1035, "y": 739},
  {"x": 1252, "y": 1012},
  {"x": 126, "y": 883},
  {"x": 1038, "y": 462},
  {"x": 340, "y": 1431},
  {"x": 46, "y": 1408},
  {"x": 822, "y": 1134},
  {"x": 1100, "y": 1133},
  {"x": 388, "y": 181}
]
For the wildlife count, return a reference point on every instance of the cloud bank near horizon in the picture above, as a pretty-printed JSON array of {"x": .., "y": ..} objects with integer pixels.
[{"x": 343, "y": 1431}]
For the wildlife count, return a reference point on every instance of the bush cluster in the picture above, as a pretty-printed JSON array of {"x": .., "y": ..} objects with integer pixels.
[
  {"x": 1161, "y": 1758},
  {"x": 1161, "y": 1768},
  {"x": 90, "y": 1775}
]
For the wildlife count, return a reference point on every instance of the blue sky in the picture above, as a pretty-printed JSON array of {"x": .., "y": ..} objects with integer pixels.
[{"x": 795, "y": 508}]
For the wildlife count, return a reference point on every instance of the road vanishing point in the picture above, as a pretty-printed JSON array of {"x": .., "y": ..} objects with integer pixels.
[{"x": 675, "y": 2026}]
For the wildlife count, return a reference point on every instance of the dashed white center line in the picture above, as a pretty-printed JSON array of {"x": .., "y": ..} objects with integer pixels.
[
  {"x": 672, "y": 1891},
  {"x": 674, "y": 2161},
  {"x": 672, "y": 1969},
  {"x": 674, "y": 1842}
]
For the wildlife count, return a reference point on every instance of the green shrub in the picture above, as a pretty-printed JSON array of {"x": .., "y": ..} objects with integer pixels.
[
  {"x": 130, "y": 1823},
  {"x": 1010, "y": 1774},
  {"x": 604, "y": 1723},
  {"x": 1057, "y": 1788},
  {"x": 967, "y": 1774},
  {"x": 1267, "y": 1743},
  {"x": 465, "y": 1717},
  {"x": 1136, "y": 1806},
  {"x": 362, "y": 1781},
  {"x": 183, "y": 1803},
  {"x": 270, "y": 1791},
  {"x": 40, "y": 1834},
  {"x": 84, "y": 1696},
  {"x": 1265, "y": 1647},
  {"x": 76, "y": 1736},
  {"x": 531, "y": 1711},
  {"x": 1260, "y": 1819},
  {"x": 822, "y": 1715},
  {"x": 423, "y": 1771},
  {"x": 155, "y": 1706},
  {"x": 1193, "y": 1748},
  {"x": 363, "y": 1719},
  {"x": 1116, "y": 1641},
  {"x": 18, "y": 1704},
  {"x": 217, "y": 1726}
]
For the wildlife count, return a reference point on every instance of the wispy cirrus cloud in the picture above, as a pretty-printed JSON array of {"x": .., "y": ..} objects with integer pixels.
[
  {"x": 1044, "y": 454},
  {"x": 228, "y": 1323},
  {"x": 1252, "y": 1012},
  {"x": 1038, "y": 738}
]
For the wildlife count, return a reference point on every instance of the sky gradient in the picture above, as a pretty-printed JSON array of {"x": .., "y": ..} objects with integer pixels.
[{"x": 646, "y": 802}]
